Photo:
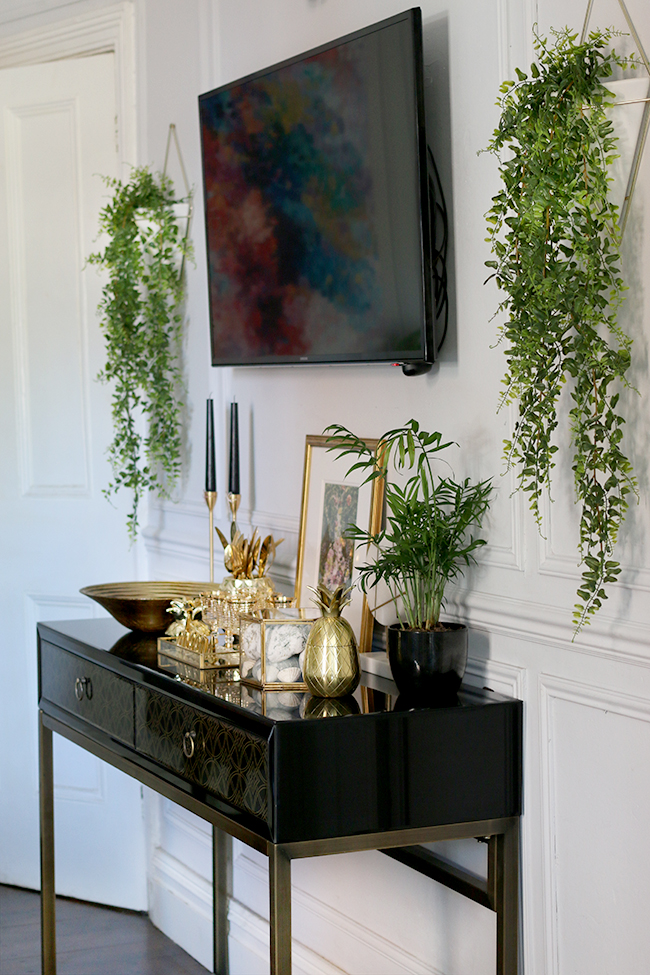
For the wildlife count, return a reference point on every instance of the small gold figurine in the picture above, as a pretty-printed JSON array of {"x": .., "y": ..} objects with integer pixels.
[
  {"x": 187, "y": 631},
  {"x": 185, "y": 612}
]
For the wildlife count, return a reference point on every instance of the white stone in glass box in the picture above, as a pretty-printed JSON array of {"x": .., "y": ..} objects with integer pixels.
[{"x": 272, "y": 645}]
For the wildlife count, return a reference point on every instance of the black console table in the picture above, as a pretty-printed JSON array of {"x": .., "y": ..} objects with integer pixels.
[{"x": 262, "y": 770}]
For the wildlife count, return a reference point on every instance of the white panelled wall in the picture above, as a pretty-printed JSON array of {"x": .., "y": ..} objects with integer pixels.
[{"x": 585, "y": 841}]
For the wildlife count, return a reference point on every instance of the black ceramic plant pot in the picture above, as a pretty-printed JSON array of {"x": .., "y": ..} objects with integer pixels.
[{"x": 428, "y": 663}]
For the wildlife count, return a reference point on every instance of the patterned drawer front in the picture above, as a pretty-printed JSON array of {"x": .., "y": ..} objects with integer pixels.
[
  {"x": 228, "y": 762},
  {"x": 92, "y": 693}
]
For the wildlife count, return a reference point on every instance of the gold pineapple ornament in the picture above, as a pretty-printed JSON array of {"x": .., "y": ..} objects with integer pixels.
[{"x": 331, "y": 666}]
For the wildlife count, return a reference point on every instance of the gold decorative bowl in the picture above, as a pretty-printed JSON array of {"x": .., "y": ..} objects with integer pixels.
[{"x": 143, "y": 605}]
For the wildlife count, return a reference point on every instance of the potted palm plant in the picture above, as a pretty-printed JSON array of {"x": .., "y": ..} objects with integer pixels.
[{"x": 428, "y": 539}]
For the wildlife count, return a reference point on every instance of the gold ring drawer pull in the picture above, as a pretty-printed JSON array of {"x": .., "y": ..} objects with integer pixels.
[
  {"x": 83, "y": 686},
  {"x": 189, "y": 739}
]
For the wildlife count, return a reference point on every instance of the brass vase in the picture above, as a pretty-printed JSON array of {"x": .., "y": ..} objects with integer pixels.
[{"x": 331, "y": 667}]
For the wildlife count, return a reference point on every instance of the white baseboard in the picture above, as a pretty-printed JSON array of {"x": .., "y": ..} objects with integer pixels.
[
  {"x": 346, "y": 940},
  {"x": 249, "y": 947},
  {"x": 180, "y": 904}
]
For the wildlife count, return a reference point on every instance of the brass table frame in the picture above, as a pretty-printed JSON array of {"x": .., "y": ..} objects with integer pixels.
[{"x": 500, "y": 892}]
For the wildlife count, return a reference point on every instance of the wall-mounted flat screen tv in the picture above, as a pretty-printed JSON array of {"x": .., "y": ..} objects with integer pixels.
[{"x": 316, "y": 205}]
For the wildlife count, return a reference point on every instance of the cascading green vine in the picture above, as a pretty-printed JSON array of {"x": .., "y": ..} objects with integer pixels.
[
  {"x": 142, "y": 326},
  {"x": 555, "y": 237}
]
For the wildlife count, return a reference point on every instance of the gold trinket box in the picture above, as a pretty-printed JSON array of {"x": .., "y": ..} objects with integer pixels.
[{"x": 208, "y": 655}]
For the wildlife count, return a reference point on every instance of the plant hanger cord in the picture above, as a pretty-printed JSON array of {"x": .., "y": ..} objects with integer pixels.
[
  {"x": 173, "y": 135},
  {"x": 555, "y": 236}
]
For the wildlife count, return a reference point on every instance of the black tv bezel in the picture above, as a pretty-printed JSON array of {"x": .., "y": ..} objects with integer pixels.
[{"x": 428, "y": 345}]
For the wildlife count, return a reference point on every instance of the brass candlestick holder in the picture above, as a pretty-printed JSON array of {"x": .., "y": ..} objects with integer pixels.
[
  {"x": 234, "y": 501},
  {"x": 211, "y": 500}
]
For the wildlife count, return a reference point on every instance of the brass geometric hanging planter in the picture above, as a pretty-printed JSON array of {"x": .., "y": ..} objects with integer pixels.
[{"x": 645, "y": 118}]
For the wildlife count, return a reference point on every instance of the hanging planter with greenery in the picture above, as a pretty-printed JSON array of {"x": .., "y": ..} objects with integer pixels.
[
  {"x": 142, "y": 323},
  {"x": 555, "y": 237}
]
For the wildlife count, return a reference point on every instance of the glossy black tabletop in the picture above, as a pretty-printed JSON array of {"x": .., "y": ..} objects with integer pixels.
[
  {"x": 371, "y": 763},
  {"x": 96, "y": 638}
]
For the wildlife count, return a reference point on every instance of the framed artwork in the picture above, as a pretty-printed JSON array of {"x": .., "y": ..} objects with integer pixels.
[{"x": 331, "y": 501}]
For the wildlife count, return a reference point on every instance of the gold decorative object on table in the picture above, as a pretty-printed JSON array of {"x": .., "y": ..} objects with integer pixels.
[
  {"x": 210, "y": 642},
  {"x": 223, "y": 682},
  {"x": 211, "y": 500},
  {"x": 142, "y": 606},
  {"x": 234, "y": 500},
  {"x": 185, "y": 612},
  {"x": 210, "y": 493},
  {"x": 247, "y": 558},
  {"x": 195, "y": 642},
  {"x": 235, "y": 603},
  {"x": 331, "y": 666},
  {"x": 247, "y": 589}
]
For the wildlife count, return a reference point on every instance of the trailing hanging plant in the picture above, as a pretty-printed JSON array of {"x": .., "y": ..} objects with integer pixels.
[
  {"x": 555, "y": 236},
  {"x": 142, "y": 325}
]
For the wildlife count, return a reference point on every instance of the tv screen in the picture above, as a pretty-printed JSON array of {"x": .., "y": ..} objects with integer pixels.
[{"x": 316, "y": 206}]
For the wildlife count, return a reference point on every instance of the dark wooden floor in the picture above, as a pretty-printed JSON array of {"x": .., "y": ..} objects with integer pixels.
[{"x": 91, "y": 940}]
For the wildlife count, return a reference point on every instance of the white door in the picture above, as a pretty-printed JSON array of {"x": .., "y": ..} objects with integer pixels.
[{"x": 57, "y": 532}]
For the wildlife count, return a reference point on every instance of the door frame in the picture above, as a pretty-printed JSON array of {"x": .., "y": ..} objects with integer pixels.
[{"x": 110, "y": 29}]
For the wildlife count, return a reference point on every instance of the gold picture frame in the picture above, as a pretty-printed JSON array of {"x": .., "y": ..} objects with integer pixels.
[{"x": 332, "y": 498}]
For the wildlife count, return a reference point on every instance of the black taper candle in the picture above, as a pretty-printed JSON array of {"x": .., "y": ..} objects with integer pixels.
[
  {"x": 233, "y": 480},
  {"x": 210, "y": 465}
]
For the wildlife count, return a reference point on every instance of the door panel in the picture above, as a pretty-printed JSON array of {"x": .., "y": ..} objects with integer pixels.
[{"x": 57, "y": 532}]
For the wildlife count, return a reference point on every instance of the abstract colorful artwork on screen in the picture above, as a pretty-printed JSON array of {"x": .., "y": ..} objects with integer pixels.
[{"x": 289, "y": 209}]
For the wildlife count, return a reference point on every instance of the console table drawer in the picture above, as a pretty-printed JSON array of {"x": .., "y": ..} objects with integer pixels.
[
  {"x": 226, "y": 761},
  {"x": 98, "y": 696}
]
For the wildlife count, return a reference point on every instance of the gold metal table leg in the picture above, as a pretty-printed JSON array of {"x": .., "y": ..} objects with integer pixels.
[
  {"x": 503, "y": 884},
  {"x": 46, "y": 798},
  {"x": 280, "y": 910},
  {"x": 221, "y": 893}
]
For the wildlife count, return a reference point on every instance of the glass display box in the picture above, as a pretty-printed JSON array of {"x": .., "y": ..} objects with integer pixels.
[{"x": 272, "y": 644}]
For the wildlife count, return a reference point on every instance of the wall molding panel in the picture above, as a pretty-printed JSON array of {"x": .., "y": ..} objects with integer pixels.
[
  {"x": 636, "y": 578},
  {"x": 510, "y": 555},
  {"x": 209, "y": 40},
  {"x": 550, "y": 625},
  {"x": 197, "y": 829},
  {"x": 504, "y": 678},
  {"x": 183, "y": 538},
  {"x": 592, "y": 696},
  {"x": 514, "y": 21},
  {"x": 553, "y": 689}
]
